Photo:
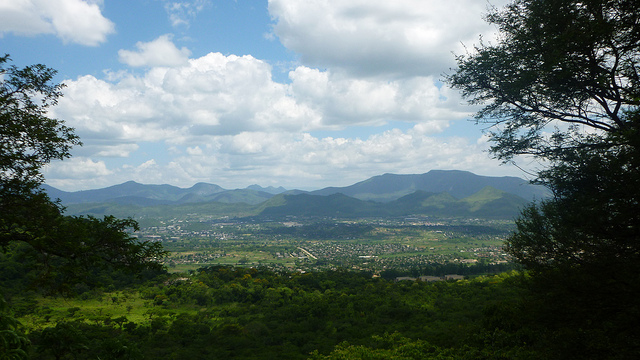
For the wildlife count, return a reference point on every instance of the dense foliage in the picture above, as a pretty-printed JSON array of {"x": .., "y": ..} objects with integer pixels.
[
  {"x": 65, "y": 249},
  {"x": 556, "y": 63},
  {"x": 563, "y": 84},
  {"x": 577, "y": 63},
  {"x": 28, "y": 138},
  {"x": 246, "y": 313}
]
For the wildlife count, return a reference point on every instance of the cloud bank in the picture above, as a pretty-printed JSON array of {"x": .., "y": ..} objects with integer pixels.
[
  {"x": 73, "y": 21},
  {"x": 226, "y": 95},
  {"x": 223, "y": 117},
  {"x": 374, "y": 37},
  {"x": 364, "y": 99}
]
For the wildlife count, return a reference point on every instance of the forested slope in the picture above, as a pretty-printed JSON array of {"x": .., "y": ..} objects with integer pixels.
[{"x": 246, "y": 313}]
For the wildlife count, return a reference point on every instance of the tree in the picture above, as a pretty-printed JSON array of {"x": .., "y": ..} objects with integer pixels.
[
  {"x": 28, "y": 138},
  {"x": 594, "y": 220},
  {"x": 67, "y": 248},
  {"x": 13, "y": 344},
  {"x": 556, "y": 63},
  {"x": 562, "y": 84}
]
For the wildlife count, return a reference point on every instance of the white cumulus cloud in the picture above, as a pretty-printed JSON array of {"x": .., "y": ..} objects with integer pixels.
[
  {"x": 368, "y": 65},
  {"x": 159, "y": 52},
  {"x": 218, "y": 95},
  {"x": 293, "y": 159},
  {"x": 76, "y": 169},
  {"x": 379, "y": 37},
  {"x": 344, "y": 100},
  {"x": 73, "y": 21}
]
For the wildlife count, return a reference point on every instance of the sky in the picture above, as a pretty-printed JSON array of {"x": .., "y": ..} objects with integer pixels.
[{"x": 300, "y": 94}]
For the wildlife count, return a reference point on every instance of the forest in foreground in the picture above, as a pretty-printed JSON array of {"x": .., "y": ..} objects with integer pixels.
[{"x": 224, "y": 312}]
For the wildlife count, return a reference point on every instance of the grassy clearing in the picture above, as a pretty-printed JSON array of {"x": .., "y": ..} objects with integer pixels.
[{"x": 101, "y": 309}]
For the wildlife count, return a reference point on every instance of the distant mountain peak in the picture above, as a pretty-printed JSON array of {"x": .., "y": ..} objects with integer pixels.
[
  {"x": 458, "y": 183},
  {"x": 268, "y": 189},
  {"x": 435, "y": 188}
]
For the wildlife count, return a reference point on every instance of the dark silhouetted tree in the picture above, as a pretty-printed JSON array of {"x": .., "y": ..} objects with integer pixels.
[
  {"x": 562, "y": 84},
  {"x": 67, "y": 248}
]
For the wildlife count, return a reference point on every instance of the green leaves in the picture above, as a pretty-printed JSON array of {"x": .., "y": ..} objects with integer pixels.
[
  {"x": 28, "y": 138},
  {"x": 562, "y": 84},
  {"x": 555, "y": 61},
  {"x": 68, "y": 250},
  {"x": 13, "y": 344}
]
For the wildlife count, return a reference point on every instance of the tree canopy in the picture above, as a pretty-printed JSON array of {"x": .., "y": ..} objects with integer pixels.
[
  {"x": 28, "y": 138},
  {"x": 66, "y": 249},
  {"x": 562, "y": 84},
  {"x": 561, "y": 74}
]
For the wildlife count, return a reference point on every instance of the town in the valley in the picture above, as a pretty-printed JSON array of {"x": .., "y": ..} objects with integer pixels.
[{"x": 406, "y": 248}]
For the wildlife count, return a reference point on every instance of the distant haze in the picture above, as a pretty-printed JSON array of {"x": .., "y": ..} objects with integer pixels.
[{"x": 382, "y": 188}]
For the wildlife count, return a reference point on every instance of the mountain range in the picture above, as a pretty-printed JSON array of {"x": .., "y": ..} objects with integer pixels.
[
  {"x": 448, "y": 193},
  {"x": 459, "y": 184},
  {"x": 133, "y": 193}
]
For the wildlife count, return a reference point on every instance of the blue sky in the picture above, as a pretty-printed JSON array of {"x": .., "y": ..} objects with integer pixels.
[{"x": 300, "y": 94}]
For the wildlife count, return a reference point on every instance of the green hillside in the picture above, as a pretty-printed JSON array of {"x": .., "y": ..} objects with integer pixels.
[
  {"x": 459, "y": 184},
  {"x": 208, "y": 209},
  {"x": 487, "y": 203},
  {"x": 314, "y": 205},
  {"x": 246, "y": 196},
  {"x": 491, "y": 202},
  {"x": 383, "y": 188}
]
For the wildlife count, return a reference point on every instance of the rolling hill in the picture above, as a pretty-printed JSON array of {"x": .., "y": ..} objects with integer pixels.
[
  {"x": 486, "y": 203},
  {"x": 436, "y": 193},
  {"x": 459, "y": 184},
  {"x": 133, "y": 193}
]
